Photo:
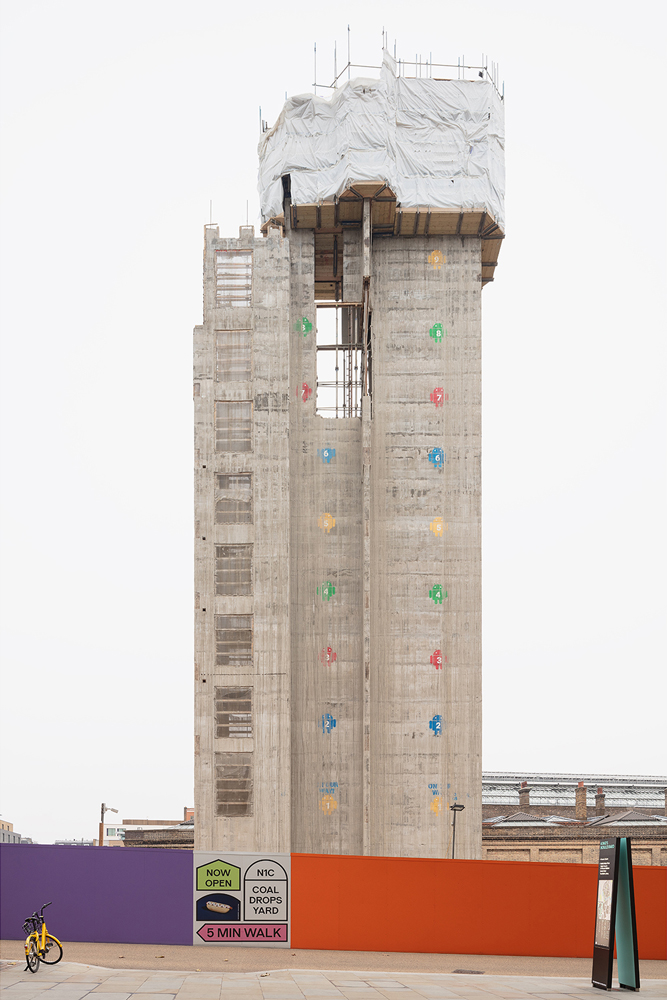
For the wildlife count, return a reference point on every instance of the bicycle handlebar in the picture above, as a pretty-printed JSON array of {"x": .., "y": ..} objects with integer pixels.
[{"x": 44, "y": 907}]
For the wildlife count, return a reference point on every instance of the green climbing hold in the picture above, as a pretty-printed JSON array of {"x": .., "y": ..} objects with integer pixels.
[
  {"x": 327, "y": 590},
  {"x": 303, "y": 326},
  {"x": 436, "y": 593}
]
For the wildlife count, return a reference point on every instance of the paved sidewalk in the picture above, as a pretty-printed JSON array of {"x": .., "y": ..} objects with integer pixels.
[
  {"x": 71, "y": 981},
  {"x": 230, "y": 958}
]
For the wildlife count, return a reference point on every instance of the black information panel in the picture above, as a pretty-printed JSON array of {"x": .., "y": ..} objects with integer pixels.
[
  {"x": 615, "y": 917},
  {"x": 605, "y": 914}
]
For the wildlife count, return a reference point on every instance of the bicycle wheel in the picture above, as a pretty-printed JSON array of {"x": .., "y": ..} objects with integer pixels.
[
  {"x": 52, "y": 951},
  {"x": 32, "y": 958}
]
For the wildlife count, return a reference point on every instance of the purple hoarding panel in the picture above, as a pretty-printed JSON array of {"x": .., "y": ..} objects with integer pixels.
[{"x": 138, "y": 895}]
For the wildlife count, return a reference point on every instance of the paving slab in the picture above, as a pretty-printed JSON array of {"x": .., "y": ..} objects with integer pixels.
[
  {"x": 284, "y": 984},
  {"x": 179, "y": 959}
]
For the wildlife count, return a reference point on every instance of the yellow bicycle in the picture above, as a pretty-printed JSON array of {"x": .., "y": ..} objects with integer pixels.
[{"x": 40, "y": 946}]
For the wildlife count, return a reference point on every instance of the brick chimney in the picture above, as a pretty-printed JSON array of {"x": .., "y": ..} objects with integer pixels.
[
  {"x": 524, "y": 797},
  {"x": 599, "y": 803},
  {"x": 580, "y": 802}
]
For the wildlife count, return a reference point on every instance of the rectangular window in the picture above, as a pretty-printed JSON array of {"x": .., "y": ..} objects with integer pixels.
[
  {"x": 340, "y": 360},
  {"x": 233, "y": 277},
  {"x": 233, "y": 712},
  {"x": 232, "y": 355},
  {"x": 233, "y": 570},
  {"x": 233, "y": 641},
  {"x": 233, "y": 784},
  {"x": 233, "y": 426},
  {"x": 233, "y": 499}
]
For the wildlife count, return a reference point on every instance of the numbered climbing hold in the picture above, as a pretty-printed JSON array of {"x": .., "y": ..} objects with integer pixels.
[
  {"x": 326, "y": 590},
  {"x": 326, "y": 522},
  {"x": 436, "y": 725},
  {"x": 437, "y": 594}
]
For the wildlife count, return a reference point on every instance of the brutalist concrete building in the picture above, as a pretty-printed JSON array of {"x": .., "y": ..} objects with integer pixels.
[{"x": 337, "y": 387}]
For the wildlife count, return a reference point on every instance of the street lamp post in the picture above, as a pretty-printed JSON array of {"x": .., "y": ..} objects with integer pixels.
[
  {"x": 456, "y": 808},
  {"x": 103, "y": 810}
]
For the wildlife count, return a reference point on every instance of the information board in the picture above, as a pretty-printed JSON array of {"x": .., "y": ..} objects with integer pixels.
[
  {"x": 241, "y": 899},
  {"x": 615, "y": 917}
]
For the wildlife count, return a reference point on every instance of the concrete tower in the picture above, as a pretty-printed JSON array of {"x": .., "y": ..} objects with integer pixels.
[{"x": 337, "y": 470}]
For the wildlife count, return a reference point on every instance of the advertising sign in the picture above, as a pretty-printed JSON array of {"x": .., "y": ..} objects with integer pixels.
[
  {"x": 615, "y": 917},
  {"x": 241, "y": 899}
]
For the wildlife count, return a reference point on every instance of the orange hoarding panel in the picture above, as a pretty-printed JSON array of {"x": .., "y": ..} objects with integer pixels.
[{"x": 461, "y": 907}]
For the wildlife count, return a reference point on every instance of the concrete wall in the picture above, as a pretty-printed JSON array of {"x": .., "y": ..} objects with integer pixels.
[
  {"x": 325, "y": 478},
  {"x": 268, "y": 318},
  {"x": 348, "y": 755},
  {"x": 415, "y": 774}
]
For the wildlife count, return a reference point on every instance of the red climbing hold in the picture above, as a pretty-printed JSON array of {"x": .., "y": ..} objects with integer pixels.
[{"x": 437, "y": 659}]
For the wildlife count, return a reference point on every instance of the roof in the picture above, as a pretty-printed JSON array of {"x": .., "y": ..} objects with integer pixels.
[
  {"x": 520, "y": 819},
  {"x": 622, "y": 791},
  {"x": 532, "y": 819},
  {"x": 628, "y": 818},
  {"x": 658, "y": 780}
]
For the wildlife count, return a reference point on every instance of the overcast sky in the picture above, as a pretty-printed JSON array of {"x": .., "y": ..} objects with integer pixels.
[{"x": 121, "y": 122}]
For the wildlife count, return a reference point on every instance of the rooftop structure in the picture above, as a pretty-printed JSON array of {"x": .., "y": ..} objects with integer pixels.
[
  {"x": 435, "y": 143},
  {"x": 554, "y": 793}
]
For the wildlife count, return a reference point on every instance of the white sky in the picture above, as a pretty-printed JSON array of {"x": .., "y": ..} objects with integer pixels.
[{"x": 120, "y": 122}]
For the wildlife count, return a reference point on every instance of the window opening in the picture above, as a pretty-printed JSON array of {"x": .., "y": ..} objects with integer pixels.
[
  {"x": 233, "y": 426},
  {"x": 328, "y": 266},
  {"x": 233, "y": 499},
  {"x": 233, "y": 784},
  {"x": 233, "y": 713},
  {"x": 233, "y": 570},
  {"x": 233, "y": 277},
  {"x": 233, "y": 641},
  {"x": 340, "y": 360},
  {"x": 233, "y": 355}
]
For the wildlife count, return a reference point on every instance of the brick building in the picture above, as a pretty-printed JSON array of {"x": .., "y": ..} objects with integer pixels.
[{"x": 560, "y": 817}]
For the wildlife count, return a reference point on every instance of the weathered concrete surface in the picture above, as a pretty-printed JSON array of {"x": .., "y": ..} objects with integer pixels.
[
  {"x": 326, "y": 758},
  {"x": 362, "y": 739},
  {"x": 269, "y": 826},
  {"x": 409, "y": 816}
]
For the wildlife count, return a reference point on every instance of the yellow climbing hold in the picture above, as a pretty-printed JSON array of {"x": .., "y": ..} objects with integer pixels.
[
  {"x": 436, "y": 805},
  {"x": 328, "y": 804},
  {"x": 326, "y": 522},
  {"x": 436, "y": 259},
  {"x": 438, "y": 526}
]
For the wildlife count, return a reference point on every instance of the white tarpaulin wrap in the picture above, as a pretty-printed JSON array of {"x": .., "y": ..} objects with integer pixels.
[{"x": 437, "y": 143}]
